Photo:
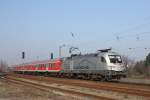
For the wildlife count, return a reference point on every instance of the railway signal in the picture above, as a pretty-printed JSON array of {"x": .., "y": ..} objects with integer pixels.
[
  {"x": 52, "y": 56},
  {"x": 23, "y": 55}
]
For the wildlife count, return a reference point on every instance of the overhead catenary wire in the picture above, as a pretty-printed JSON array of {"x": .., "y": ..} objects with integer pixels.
[
  {"x": 132, "y": 29},
  {"x": 125, "y": 33},
  {"x": 136, "y": 35}
]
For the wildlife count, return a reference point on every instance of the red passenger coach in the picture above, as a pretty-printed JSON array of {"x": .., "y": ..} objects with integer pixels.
[{"x": 40, "y": 66}]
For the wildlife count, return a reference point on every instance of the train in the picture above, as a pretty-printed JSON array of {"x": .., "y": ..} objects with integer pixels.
[{"x": 101, "y": 65}]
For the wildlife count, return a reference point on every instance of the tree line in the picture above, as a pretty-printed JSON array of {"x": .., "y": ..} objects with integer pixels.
[{"x": 140, "y": 68}]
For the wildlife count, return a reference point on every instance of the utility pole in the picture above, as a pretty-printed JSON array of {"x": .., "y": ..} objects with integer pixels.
[{"x": 60, "y": 50}]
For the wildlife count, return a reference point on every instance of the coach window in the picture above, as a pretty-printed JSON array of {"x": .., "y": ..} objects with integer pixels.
[
  {"x": 42, "y": 65},
  {"x": 50, "y": 65},
  {"x": 37, "y": 65},
  {"x": 53, "y": 65},
  {"x": 46, "y": 65},
  {"x": 103, "y": 60}
]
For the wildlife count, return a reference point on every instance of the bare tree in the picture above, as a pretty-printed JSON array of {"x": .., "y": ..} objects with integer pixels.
[
  {"x": 129, "y": 64},
  {"x": 3, "y": 66}
]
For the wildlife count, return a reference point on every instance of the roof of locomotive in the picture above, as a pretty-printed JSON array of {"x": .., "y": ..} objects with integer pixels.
[{"x": 104, "y": 52}]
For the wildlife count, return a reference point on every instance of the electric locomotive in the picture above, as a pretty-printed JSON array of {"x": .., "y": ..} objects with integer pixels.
[{"x": 101, "y": 65}]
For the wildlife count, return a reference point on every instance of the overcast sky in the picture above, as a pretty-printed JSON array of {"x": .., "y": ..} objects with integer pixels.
[{"x": 39, "y": 27}]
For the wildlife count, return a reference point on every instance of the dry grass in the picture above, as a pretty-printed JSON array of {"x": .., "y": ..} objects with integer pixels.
[{"x": 17, "y": 92}]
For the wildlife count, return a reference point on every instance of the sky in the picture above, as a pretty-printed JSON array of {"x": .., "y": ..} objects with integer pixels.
[{"x": 39, "y": 27}]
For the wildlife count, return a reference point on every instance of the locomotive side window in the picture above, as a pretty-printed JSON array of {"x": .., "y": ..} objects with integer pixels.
[{"x": 103, "y": 60}]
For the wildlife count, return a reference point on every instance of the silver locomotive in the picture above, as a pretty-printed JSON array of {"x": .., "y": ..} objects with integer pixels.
[{"x": 102, "y": 65}]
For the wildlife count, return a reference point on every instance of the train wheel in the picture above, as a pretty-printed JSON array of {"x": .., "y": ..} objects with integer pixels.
[{"x": 108, "y": 78}]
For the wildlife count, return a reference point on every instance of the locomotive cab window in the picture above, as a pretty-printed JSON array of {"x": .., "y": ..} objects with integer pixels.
[
  {"x": 115, "y": 59},
  {"x": 103, "y": 60}
]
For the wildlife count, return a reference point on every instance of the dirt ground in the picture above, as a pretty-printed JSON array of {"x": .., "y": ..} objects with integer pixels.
[
  {"x": 9, "y": 91},
  {"x": 136, "y": 80}
]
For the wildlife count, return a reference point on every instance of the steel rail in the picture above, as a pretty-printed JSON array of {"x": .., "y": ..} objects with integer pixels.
[{"x": 116, "y": 88}]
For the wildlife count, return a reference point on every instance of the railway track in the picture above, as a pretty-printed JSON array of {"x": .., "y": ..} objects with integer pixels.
[
  {"x": 116, "y": 87},
  {"x": 131, "y": 83},
  {"x": 47, "y": 88}
]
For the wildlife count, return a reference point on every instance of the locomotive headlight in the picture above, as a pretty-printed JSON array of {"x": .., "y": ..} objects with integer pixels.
[
  {"x": 115, "y": 68},
  {"x": 112, "y": 67}
]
